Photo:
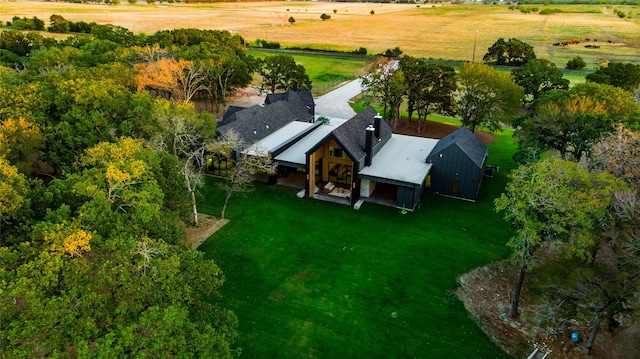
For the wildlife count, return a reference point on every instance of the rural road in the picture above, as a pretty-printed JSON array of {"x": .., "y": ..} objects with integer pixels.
[{"x": 335, "y": 104}]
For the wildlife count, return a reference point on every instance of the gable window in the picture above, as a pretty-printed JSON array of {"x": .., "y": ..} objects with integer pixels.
[{"x": 337, "y": 152}]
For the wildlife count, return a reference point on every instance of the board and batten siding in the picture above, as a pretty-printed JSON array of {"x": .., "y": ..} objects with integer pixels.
[{"x": 454, "y": 174}]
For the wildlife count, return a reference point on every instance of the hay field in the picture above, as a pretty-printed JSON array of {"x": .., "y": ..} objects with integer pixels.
[{"x": 446, "y": 32}]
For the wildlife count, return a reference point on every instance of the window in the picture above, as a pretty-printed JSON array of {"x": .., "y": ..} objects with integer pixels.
[
  {"x": 337, "y": 152},
  {"x": 427, "y": 182},
  {"x": 454, "y": 186}
]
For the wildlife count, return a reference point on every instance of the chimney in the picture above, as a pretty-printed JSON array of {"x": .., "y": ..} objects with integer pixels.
[
  {"x": 368, "y": 145},
  {"x": 376, "y": 123}
]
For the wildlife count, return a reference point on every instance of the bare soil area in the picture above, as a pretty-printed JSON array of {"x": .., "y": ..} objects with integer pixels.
[
  {"x": 486, "y": 293},
  {"x": 433, "y": 129},
  {"x": 207, "y": 225}
]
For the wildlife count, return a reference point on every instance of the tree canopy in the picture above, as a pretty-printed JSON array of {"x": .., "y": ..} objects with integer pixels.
[
  {"x": 538, "y": 76},
  {"x": 619, "y": 74},
  {"x": 96, "y": 181},
  {"x": 572, "y": 121},
  {"x": 280, "y": 72},
  {"x": 486, "y": 97},
  {"x": 512, "y": 53}
]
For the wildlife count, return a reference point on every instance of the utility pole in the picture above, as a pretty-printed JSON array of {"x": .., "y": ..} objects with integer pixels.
[{"x": 475, "y": 41}]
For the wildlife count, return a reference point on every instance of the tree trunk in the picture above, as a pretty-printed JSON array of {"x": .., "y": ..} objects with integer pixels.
[
  {"x": 226, "y": 200},
  {"x": 515, "y": 301},
  {"x": 592, "y": 336},
  {"x": 195, "y": 209}
]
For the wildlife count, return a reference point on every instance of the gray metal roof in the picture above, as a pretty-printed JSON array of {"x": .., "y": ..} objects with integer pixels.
[
  {"x": 468, "y": 143},
  {"x": 296, "y": 154},
  {"x": 402, "y": 159},
  {"x": 279, "y": 138}
]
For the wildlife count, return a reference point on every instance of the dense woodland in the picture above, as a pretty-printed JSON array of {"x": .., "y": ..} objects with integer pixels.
[{"x": 101, "y": 149}]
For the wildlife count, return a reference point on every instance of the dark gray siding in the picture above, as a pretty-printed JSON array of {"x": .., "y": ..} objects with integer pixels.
[
  {"x": 454, "y": 174},
  {"x": 408, "y": 197}
]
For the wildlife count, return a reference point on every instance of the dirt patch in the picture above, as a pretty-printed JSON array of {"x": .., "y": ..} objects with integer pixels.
[
  {"x": 247, "y": 97},
  {"x": 207, "y": 225},
  {"x": 486, "y": 293},
  {"x": 432, "y": 129}
]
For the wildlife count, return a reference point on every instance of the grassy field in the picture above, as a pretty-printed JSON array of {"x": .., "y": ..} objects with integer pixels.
[
  {"x": 446, "y": 32},
  {"x": 320, "y": 280}
]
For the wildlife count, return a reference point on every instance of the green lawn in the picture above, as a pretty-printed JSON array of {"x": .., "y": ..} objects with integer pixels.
[
  {"x": 325, "y": 72},
  {"x": 319, "y": 280}
]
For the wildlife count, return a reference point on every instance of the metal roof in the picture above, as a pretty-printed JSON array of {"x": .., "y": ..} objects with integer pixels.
[
  {"x": 279, "y": 138},
  {"x": 402, "y": 159},
  {"x": 296, "y": 154}
]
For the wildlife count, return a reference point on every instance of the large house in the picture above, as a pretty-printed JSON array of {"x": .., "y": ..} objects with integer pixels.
[{"x": 359, "y": 159}]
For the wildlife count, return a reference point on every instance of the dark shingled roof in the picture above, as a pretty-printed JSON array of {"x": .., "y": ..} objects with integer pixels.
[
  {"x": 467, "y": 142},
  {"x": 257, "y": 122},
  {"x": 229, "y": 115},
  {"x": 303, "y": 96},
  {"x": 352, "y": 134}
]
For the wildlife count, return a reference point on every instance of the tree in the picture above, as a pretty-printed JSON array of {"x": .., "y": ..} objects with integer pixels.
[
  {"x": 512, "y": 53},
  {"x": 325, "y": 16},
  {"x": 618, "y": 153},
  {"x": 245, "y": 166},
  {"x": 57, "y": 23},
  {"x": 430, "y": 87},
  {"x": 280, "y": 72},
  {"x": 619, "y": 74},
  {"x": 572, "y": 121},
  {"x": 576, "y": 63},
  {"x": 13, "y": 188},
  {"x": 538, "y": 76},
  {"x": 383, "y": 83},
  {"x": 555, "y": 201},
  {"x": 187, "y": 136},
  {"x": 177, "y": 79},
  {"x": 486, "y": 97},
  {"x": 291, "y": 20},
  {"x": 20, "y": 140}
]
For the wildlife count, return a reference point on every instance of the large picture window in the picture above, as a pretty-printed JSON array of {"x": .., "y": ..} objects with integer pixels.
[{"x": 340, "y": 173}]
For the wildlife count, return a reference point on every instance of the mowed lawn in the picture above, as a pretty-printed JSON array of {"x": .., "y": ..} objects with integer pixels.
[{"x": 311, "y": 279}]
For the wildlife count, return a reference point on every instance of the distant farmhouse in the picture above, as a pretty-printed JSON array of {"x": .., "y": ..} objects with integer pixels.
[{"x": 356, "y": 160}]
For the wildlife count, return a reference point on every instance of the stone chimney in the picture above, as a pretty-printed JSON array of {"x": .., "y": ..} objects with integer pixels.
[{"x": 368, "y": 145}]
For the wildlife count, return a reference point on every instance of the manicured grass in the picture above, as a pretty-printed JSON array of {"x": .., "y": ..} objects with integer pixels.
[{"x": 314, "y": 279}]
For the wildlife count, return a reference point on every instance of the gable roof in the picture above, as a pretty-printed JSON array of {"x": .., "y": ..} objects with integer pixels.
[
  {"x": 468, "y": 143},
  {"x": 352, "y": 135},
  {"x": 303, "y": 96},
  {"x": 257, "y": 122},
  {"x": 229, "y": 115}
]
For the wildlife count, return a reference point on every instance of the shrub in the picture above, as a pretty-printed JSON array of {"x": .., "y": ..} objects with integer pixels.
[
  {"x": 550, "y": 11},
  {"x": 325, "y": 17},
  {"x": 360, "y": 51},
  {"x": 291, "y": 20},
  {"x": 576, "y": 63}
]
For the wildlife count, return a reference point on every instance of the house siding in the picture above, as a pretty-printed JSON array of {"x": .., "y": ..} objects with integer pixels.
[{"x": 454, "y": 174}]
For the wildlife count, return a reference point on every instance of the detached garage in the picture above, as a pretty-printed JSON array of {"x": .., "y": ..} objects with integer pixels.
[{"x": 459, "y": 161}]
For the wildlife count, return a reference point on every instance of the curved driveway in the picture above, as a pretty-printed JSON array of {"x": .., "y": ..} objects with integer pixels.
[{"x": 335, "y": 104}]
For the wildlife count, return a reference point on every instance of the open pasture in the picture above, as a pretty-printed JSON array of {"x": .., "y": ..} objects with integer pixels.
[{"x": 439, "y": 32}]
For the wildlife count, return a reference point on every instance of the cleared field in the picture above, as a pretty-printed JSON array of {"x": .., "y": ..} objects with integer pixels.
[{"x": 446, "y": 32}]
